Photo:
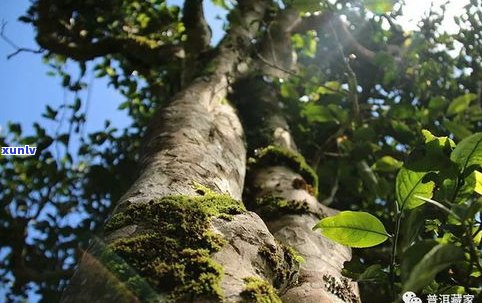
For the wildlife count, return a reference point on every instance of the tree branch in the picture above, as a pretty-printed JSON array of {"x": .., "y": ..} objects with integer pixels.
[
  {"x": 197, "y": 29},
  {"x": 276, "y": 50},
  {"x": 345, "y": 35},
  {"x": 75, "y": 46},
  {"x": 17, "y": 48},
  {"x": 316, "y": 21}
]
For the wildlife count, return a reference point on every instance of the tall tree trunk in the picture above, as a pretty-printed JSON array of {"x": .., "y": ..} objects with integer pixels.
[
  {"x": 180, "y": 232},
  {"x": 282, "y": 189}
]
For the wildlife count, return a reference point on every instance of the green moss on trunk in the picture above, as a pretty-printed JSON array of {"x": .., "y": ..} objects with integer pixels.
[
  {"x": 275, "y": 155},
  {"x": 285, "y": 265},
  {"x": 257, "y": 290},
  {"x": 273, "y": 207},
  {"x": 173, "y": 251}
]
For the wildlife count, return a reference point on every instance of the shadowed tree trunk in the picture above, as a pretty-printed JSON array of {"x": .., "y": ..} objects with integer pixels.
[{"x": 282, "y": 190}]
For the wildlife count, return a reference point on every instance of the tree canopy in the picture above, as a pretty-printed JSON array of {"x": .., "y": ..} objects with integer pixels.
[{"x": 389, "y": 123}]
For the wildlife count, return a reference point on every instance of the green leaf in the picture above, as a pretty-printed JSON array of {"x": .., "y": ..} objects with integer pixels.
[
  {"x": 77, "y": 104},
  {"x": 458, "y": 129},
  {"x": 478, "y": 182},
  {"x": 329, "y": 88},
  {"x": 468, "y": 152},
  {"x": 437, "y": 104},
  {"x": 354, "y": 229},
  {"x": 305, "y": 6},
  {"x": 317, "y": 113},
  {"x": 413, "y": 223},
  {"x": 441, "y": 206},
  {"x": 462, "y": 191},
  {"x": 413, "y": 255},
  {"x": 443, "y": 142},
  {"x": 460, "y": 104},
  {"x": 64, "y": 138},
  {"x": 379, "y": 6},
  {"x": 15, "y": 128},
  {"x": 423, "y": 263},
  {"x": 434, "y": 156},
  {"x": 374, "y": 273},
  {"x": 387, "y": 164},
  {"x": 220, "y": 3},
  {"x": 123, "y": 105},
  {"x": 403, "y": 133},
  {"x": 410, "y": 184},
  {"x": 50, "y": 113}
]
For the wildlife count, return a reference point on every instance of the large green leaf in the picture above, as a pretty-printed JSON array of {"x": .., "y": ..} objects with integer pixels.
[
  {"x": 355, "y": 229},
  {"x": 424, "y": 260},
  {"x": 410, "y": 184},
  {"x": 468, "y": 152}
]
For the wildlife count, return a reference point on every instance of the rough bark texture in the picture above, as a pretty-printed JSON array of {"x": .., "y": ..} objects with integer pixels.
[
  {"x": 196, "y": 140},
  {"x": 284, "y": 197},
  {"x": 181, "y": 234}
]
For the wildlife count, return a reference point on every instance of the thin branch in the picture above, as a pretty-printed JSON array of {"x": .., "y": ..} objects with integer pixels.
[
  {"x": 270, "y": 64},
  {"x": 17, "y": 48},
  {"x": 293, "y": 74},
  {"x": 315, "y": 22}
]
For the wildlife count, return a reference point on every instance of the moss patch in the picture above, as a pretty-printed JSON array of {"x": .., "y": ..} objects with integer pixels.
[
  {"x": 285, "y": 264},
  {"x": 273, "y": 207},
  {"x": 275, "y": 155},
  {"x": 257, "y": 290},
  {"x": 173, "y": 251},
  {"x": 295, "y": 255}
]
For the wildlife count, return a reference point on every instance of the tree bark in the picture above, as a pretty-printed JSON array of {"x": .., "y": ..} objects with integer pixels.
[
  {"x": 181, "y": 234},
  {"x": 282, "y": 191},
  {"x": 193, "y": 160}
]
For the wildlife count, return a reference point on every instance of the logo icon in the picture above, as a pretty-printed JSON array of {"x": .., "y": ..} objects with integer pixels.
[{"x": 410, "y": 297}]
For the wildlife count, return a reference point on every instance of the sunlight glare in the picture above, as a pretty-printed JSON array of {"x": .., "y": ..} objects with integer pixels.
[{"x": 414, "y": 10}]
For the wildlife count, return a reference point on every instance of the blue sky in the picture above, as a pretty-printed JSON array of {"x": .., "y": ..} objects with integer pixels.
[{"x": 25, "y": 87}]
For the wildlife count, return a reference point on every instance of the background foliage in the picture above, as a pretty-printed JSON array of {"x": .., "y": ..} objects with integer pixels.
[{"x": 413, "y": 111}]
